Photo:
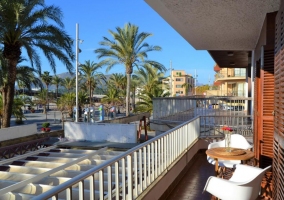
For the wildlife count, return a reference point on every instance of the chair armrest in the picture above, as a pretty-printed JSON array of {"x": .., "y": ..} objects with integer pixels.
[
  {"x": 221, "y": 188},
  {"x": 245, "y": 172}
]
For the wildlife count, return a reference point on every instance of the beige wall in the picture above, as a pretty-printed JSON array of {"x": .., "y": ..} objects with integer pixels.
[{"x": 179, "y": 77}]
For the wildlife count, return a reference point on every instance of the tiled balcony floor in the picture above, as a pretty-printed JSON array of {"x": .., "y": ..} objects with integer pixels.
[{"x": 192, "y": 184}]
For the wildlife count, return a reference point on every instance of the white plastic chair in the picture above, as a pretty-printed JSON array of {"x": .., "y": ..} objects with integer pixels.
[
  {"x": 237, "y": 141},
  {"x": 243, "y": 185}
]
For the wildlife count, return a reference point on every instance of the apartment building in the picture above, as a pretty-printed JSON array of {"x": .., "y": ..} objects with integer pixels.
[
  {"x": 179, "y": 83},
  {"x": 230, "y": 81}
]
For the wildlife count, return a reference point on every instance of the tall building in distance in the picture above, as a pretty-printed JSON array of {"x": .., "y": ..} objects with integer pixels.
[{"x": 179, "y": 83}]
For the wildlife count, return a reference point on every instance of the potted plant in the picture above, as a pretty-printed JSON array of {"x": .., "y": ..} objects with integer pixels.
[
  {"x": 32, "y": 110},
  {"x": 45, "y": 127}
]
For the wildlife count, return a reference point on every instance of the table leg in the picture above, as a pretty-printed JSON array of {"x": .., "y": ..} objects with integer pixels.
[{"x": 216, "y": 166}]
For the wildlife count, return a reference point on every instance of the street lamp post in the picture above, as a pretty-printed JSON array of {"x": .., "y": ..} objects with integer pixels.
[
  {"x": 171, "y": 81},
  {"x": 77, "y": 60}
]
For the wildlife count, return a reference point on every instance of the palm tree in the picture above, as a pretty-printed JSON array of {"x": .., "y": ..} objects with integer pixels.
[
  {"x": 24, "y": 25},
  {"x": 26, "y": 76},
  {"x": 46, "y": 78},
  {"x": 148, "y": 77},
  {"x": 89, "y": 72},
  {"x": 18, "y": 103},
  {"x": 186, "y": 86},
  {"x": 146, "y": 103},
  {"x": 119, "y": 81},
  {"x": 135, "y": 84},
  {"x": 41, "y": 98},
  {"x": 56, "y": 81},
  {"x": 129, "y": 49},
  {"x": 68, "y": 83},
  {"x": 66, "y": 102},
  {"x": 111, "y": 98}
]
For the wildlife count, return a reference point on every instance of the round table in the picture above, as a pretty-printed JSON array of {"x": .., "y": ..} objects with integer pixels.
[{"x": 235, "y": 154}]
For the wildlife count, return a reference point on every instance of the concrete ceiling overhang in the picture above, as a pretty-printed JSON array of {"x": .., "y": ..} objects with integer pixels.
[{"x": 215, "y": 24}]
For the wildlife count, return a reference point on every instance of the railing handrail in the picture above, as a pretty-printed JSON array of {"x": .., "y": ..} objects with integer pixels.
[
  {"x": 90, "y": 172},
  {"x": 203, "y": 98}
]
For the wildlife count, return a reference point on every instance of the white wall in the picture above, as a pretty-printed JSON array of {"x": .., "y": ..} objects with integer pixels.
[
  {"x": 17, "y": 131},
  {"x": 100, "y": 132}
]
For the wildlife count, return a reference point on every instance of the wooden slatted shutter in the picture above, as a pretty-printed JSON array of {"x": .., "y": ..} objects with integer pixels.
[
  {"x": 266, "y": 133},
  {"x": 278, "y": 160}
]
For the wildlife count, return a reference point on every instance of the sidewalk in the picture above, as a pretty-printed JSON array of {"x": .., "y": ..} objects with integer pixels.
[{"x": 53, "y": 117}]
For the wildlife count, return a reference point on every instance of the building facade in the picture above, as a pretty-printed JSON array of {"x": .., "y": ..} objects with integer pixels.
[
  {"x": 179, "y": 83},
  {"x": 230, "y": 81}
]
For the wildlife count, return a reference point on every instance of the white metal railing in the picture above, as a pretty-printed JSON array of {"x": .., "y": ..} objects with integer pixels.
[
  {"x": 131, "y": 173},
  {"x": 214, "y": 112},
  {"x": 163, "y": 107}
]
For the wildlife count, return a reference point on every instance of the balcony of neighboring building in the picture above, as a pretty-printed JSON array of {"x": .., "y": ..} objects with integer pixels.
[{"x": 227, "y": 74}]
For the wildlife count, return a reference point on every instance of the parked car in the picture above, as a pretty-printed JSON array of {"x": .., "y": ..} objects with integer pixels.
[{"x": 233, "y": 108}]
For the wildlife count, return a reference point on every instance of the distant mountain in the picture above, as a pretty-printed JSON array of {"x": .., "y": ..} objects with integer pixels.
[
  {"x": 65, "y": 75},
  {"x": 53, "y": 87}
]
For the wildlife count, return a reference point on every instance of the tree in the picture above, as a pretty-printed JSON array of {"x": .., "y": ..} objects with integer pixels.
[
  {"x": 119, "y": 81},
  {"x": 146, "y": 99},
  {"x": 18, "y": 103},
  {"x": 33, "y": 26},
  {"x": 25, "y": 78},
  {"x": 111, "y": 97},
  {"x": 89, "y": 74},
  {"x": 129, "y": 49},
  {"x": 41, "y": 98},
  {"x": 66, "y": 102},
  {"x": 56, "y": 81},
  {"x": 202, "y": 89},
  {"x": 68, "y": 83},
  {"x": 46, "y": 78},
  {"x": 186, "y": 86},
  {"x": 148, "y": 77}
]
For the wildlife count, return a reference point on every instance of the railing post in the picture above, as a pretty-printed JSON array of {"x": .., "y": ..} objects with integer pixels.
[{"x": 129, "y": 178}]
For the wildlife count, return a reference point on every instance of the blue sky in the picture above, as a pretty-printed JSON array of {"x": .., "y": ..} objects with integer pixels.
[{"x": 96, "y": 17}]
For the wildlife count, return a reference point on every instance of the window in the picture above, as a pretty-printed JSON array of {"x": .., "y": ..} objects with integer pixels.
[
  {"x": 178, "y": 73},
  {"x": 178, "y": 86},
  {"x": 240, "y": 72},
  {"x": 179, "y": 79}
]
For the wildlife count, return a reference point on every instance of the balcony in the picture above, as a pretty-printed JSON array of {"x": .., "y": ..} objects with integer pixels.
[
  {"x": 222, "y": 76},
  {"x": 227, "y": 93},
  {"x": 172, "y": 165}
]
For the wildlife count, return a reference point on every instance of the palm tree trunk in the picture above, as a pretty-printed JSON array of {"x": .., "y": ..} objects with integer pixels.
[
  {"x": 128, "y": 94},
  {"x": 56, "y": 92},
  {"x": 8, "y": 93},
  {"x": 133, "y": 99}
]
